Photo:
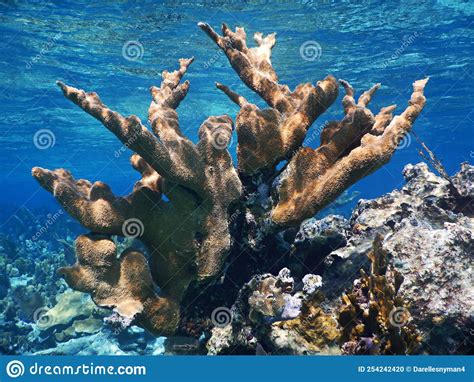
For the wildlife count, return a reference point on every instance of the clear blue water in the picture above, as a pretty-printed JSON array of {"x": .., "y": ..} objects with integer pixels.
[{"x": 82, "y": 43}]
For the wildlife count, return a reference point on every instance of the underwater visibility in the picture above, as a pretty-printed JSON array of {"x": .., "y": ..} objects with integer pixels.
[{"x": 237, "y": 178}]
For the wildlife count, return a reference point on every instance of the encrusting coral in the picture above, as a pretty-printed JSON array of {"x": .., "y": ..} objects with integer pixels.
[{"x": 181, "y": 208}]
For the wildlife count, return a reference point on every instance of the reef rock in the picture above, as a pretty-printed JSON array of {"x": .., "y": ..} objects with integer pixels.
[
  {"x": 317, "y": 238},
  {"x": 273, "y": 316},
  {"x": 4, "y": 283},
  {"x": 429, "y": 236},
  {"x": 96, "y": 344}
]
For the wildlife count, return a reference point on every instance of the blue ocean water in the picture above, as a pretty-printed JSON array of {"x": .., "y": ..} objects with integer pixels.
[{"x": 82, "y": 43}]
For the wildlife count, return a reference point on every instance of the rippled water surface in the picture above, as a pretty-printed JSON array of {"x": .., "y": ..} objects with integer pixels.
[{"x": 83, "y": 45}]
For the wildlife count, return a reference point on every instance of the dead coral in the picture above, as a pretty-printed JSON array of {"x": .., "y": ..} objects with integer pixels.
[
  {"x": 373, "y": 317},
  {"x": 313, "y": 331},
  {"x": 272, "y": 313}
]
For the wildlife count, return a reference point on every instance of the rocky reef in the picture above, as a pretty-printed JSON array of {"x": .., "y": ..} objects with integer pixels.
[
  {"x": 396, "y": 278},
  {"x": 226, "y": 259},
  {"x": 428, "y": 233}
]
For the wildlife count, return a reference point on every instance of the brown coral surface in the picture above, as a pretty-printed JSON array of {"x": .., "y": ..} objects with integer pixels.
[{"x": 181, "y": 208}]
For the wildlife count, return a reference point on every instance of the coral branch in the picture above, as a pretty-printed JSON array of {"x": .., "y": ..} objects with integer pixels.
[
  {"x": 150, "y": 178},
  {"x": 234, "y": 97},
  {"x": 253, "y": 65},
  {"x": 124, "y": 284},
  {"x": 135, "y": 136},
  {"x": 268, "y": 136},
  {"x": 94, "y": 205},
  {"x": 382, "y": 120},
  {"x": 348, "y": 152},
  {"x": 164, "y": 121}
]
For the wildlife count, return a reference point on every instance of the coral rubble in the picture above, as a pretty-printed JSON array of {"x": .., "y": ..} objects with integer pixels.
[{"x": 195, "y": 211}]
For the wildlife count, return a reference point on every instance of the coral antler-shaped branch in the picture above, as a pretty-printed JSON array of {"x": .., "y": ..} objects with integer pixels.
[
  {"x": 187, "y": 234},
  {"x": 164, "y": 121},
  {"x": 350, "y": 150},
  {"x": 124, "y": 284},
  {"x": 94, "y": 205},
  {"x": 268, "y": 136},
  {"x": 168, "y": 160}
]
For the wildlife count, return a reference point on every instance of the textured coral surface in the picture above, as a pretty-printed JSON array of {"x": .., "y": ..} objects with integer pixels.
[{"x": 192, "y": 207}]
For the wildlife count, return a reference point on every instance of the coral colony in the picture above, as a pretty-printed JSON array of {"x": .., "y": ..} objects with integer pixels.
[{"x": 217, "y": 234}]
